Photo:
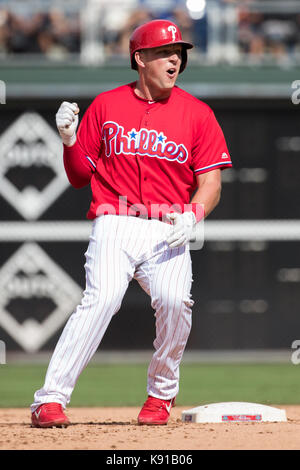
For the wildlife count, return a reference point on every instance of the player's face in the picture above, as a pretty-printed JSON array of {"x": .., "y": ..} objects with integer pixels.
[{"x": 161, "y": 67}]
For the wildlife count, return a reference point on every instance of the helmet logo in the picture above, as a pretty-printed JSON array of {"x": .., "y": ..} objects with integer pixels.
[{"x": 174, "y": 31}]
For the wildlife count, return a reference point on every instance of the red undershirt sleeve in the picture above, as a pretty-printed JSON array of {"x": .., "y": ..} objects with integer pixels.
[
  {"x": 80, "y": 160},
  {"x": 77, "y": 167}
]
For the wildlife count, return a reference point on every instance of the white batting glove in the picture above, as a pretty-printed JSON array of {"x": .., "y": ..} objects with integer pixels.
[
  {"x": 183, "y": 225},
  {"x": 67, "y": 122}
]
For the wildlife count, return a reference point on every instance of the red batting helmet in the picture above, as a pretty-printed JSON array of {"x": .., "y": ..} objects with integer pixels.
[{"x": 154, "y": 34}]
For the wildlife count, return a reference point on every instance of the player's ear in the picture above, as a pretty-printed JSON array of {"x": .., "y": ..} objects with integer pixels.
[{"x": 140, "y": 58}]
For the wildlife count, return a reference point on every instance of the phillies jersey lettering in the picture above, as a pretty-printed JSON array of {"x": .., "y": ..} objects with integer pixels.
[
  {"x": 143, "y": 142},
  {"x": 148, "y": 152}
]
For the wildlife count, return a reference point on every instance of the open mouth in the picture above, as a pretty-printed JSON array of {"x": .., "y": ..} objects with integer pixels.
[{"x": 171, "y": 72}]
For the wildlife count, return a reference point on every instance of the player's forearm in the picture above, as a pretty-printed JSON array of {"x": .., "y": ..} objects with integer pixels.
[
  {"x": 76, "y": 165},
  {"x": 208, "y": 195},
  {"x": 77, "y": 168}
]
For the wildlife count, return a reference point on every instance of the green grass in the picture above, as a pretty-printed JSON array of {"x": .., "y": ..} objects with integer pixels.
[{"x": 125, "y": 385}]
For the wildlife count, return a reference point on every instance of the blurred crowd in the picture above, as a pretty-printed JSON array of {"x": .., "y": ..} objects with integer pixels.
[
  {"x": 262, "y": 34},
  {"x": 51, "y": 32},
  {"x": 56, "y": 33}
]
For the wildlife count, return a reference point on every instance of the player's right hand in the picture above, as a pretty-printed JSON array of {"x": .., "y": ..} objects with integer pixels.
[{"x": 67, "y": 122}]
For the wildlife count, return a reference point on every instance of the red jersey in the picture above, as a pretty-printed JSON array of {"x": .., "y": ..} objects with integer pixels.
[{"x": 147, "y": 154}]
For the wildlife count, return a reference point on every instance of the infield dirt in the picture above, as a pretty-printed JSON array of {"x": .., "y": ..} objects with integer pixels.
[{"x": 117, "y": 429}]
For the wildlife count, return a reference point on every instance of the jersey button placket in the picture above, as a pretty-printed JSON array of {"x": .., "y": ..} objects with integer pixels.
[{"x": 146, "y": 122}]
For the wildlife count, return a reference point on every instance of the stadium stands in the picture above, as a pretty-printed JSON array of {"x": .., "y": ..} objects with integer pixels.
[{"x": 233, "y": 31}]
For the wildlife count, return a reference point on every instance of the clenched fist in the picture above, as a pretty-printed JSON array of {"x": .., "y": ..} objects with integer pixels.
[{"x": 67, "y": 122}]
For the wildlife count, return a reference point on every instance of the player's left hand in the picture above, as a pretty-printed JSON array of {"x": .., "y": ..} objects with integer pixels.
[{"x": 183, "y": 225}]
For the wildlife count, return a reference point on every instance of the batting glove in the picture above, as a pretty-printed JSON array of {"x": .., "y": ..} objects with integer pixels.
[
  {"x": 67, "y": 122},
  {"x": 183, "y": 225}
]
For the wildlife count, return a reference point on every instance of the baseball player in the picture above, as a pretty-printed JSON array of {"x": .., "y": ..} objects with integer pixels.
[{"x": 153, "y": 155}]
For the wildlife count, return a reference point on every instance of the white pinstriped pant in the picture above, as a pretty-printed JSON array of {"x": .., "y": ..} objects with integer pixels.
[{"x": 122, "y": 248}]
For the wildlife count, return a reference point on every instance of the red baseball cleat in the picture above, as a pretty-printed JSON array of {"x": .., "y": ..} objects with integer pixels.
[
  {"x": 155, "y": 411},
  {"x": 49, "y": 415}
]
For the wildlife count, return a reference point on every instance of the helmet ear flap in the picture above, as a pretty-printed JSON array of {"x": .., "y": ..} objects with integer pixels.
[
  {"x": 183, "y": 59},
  {"x": 133, "y": 62}
]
